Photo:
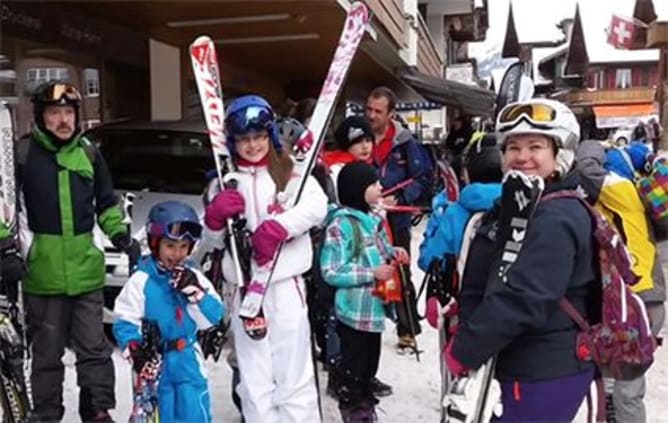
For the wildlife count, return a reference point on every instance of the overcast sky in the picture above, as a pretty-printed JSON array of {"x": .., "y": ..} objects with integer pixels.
[{"x": 535, "y": 20}]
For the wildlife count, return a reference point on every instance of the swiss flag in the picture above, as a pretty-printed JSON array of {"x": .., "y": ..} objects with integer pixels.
[{"x": 621, "y": 32}]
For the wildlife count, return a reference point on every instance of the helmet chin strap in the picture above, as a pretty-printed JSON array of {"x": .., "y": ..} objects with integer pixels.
[{"x": 564, "y": 159}]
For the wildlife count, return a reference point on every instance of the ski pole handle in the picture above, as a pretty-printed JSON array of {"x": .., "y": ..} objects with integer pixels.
[{"x": 230, "y": 181}]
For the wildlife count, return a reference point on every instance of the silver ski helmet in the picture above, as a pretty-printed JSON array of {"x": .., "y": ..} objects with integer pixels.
[
  {"x": 247, "y": 113},
  {"x": 289, "y": 131},
  {"x": 173, "y": 220},
  {"x": 543, "y": 117}
]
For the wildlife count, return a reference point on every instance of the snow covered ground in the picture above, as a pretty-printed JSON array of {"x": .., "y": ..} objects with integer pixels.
[{"x": 416, "y": 385}]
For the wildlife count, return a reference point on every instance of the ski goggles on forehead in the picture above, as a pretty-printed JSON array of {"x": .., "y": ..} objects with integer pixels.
[
  {"x": 177, "y": 231},
  {"x": 243, "y": 121},
  {"x": 59, "y": 92},
  {"x": 537, "y": 114}
]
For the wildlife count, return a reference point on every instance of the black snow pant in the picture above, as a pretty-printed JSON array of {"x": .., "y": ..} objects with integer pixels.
[
  {"x": 402, "y": 238},
  {"x": 360, "y": 355},
  {"x": 59, "y": 321}
]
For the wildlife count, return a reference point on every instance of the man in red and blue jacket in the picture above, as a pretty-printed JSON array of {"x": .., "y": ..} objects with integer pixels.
[{"x": 398, "y": 158}]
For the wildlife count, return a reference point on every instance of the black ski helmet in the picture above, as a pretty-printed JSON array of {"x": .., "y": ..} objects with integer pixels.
[{"x": 55, "y": 93}]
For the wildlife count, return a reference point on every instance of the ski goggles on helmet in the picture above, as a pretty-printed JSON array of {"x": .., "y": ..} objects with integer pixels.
[
  {"x": 536, "y": 114},
  {"x": 177, "y": 231},
  {"x": 59, "y": 93},
  {"x": 250, "y": 118}
]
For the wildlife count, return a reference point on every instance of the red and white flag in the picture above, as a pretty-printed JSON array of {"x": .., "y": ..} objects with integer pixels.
[{"x": 621, "y": 32}]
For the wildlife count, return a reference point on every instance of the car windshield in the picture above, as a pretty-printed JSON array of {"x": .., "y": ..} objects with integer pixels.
[{"x": 155, "y": 160}]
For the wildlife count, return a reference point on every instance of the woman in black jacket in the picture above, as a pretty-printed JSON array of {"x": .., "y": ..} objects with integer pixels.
[{"x": 519, "y": 319}]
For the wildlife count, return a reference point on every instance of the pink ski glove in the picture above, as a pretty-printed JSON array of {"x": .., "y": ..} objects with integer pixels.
[
  {"x": 266, "y": 239},
  {"x": 433, "y": 313},
  {"x": 228, "y": 203},
  {"x": 454, "y": 366},
  {"x": 436, "y": 313}
]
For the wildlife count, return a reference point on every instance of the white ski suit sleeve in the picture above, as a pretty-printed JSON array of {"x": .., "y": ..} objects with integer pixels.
[
  {"x": 129, "y": 310},
  {"x": 310, "y": 211}
]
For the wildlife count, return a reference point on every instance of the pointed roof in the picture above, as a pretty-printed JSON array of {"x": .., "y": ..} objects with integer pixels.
[
  {"x": 522, "y": 30},
  {"x": 649, "y": 11},
  {"x": 577, "y": 58},
  {"x": 511, "y": 43}
]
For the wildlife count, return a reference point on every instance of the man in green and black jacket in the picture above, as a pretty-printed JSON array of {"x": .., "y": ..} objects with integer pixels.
[{"x": 65, "y": 187}]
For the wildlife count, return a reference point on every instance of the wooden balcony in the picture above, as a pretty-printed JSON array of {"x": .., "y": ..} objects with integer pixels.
[
  {"x": 585, "y": 97},
  {"x": 390, "y": 15},
  {"x": 429, "y": 59}
]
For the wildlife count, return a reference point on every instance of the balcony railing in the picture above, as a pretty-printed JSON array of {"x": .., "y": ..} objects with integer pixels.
[
  {"x": 609, "y": 96},
  {"x": 390, "y": 14},
  {"x": 429, "y": 59}
]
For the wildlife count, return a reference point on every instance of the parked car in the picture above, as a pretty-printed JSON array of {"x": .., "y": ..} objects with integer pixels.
[{"x": 150, "y": 162}]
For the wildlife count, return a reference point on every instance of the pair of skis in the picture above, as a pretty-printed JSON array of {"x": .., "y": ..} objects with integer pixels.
[
  {"x": 145, "y": 408},
  {"x": 15, "y": 392},
  {"x": 205, "y": 67},
  {"x": 476, "y": 397}
]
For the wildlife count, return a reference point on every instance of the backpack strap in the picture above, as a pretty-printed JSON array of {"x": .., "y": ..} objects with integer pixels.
[
  {"x": 627, "y": 159},
  {"x": 89, "y": 149},
  {"x": 566, "y": 305},
  {"x": 467, "y": 238},
  {"x": 574, "y": 314},
  {"x": 357, "y": 238}
]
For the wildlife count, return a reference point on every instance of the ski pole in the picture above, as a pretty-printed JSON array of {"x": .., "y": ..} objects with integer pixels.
[
  {"x": 407, "y": 209},
  {"x": 409, "y": 310},
  {"x": 397, "y": 187}
]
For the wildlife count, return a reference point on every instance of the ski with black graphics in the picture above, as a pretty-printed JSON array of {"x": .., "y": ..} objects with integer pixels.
[{"x": 477, "y": 397}]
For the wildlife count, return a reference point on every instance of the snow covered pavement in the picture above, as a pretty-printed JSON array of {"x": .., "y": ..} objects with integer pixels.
[{"x": 416, "y": 385}]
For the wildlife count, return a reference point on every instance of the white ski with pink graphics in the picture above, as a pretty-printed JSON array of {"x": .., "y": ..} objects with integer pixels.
[
  {"x": 355, "y": 25},
  {"x": 207, "y": 76}
]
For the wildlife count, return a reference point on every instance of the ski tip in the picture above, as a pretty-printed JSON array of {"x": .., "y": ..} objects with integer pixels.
[
  {"x": 203, "y": 52},
  {"x": 359, "y": 11},
  {"x": 201, "y": 39}
]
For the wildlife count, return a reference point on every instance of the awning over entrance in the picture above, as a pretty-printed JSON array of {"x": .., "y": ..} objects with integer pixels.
[
  {"x": 623, "y": 115},
  {"x": 471, "y": 100}
]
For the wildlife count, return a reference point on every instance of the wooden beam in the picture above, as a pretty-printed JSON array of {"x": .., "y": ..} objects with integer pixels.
[{"x": 657, "y": 35}]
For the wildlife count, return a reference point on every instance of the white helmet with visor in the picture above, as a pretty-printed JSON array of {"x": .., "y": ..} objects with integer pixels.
[{"x": 543, "y": 117}]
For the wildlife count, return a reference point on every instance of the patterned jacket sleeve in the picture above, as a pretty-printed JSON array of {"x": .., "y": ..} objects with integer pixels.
[{"x": 336, "y": 258}]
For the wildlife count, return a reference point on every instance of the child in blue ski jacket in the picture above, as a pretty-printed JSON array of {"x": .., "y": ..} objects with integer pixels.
[
  {"x": 445, "y": 228},
  {"x": 180, "y": 300},
  {"x": 354, "y": 257}
]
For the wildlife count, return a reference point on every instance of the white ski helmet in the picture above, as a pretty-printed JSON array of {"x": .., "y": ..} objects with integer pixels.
[{"x": 544, "y": 117}]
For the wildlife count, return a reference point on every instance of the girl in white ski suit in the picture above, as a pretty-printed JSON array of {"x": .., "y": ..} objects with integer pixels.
[{"x": 277, "y": 379}]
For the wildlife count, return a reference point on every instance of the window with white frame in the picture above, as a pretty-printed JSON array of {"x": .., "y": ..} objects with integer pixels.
[
  {"x": 37, "y": 76},
  {"x": 40, "y": 75},
  {"x": 598, "y": 79},
  {"x": 623, "y": 78},
  {"x": 91, "y": 79}
]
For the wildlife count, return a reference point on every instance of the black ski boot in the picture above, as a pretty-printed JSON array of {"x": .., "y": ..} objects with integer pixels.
[{"x": 379, "y": 388}]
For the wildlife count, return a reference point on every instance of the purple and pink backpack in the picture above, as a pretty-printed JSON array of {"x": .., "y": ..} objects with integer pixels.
[{"x": 618, "y": 340}]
